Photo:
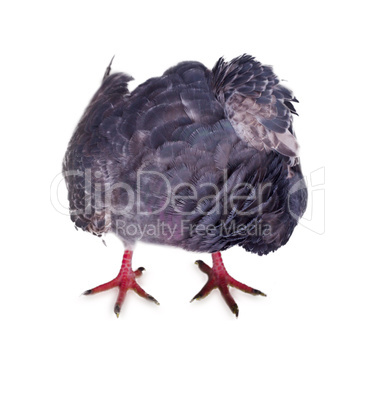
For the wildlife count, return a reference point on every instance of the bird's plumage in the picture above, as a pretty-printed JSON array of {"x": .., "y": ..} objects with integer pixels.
[
  {"x": 258, "y": 107},
  {"x": 208, "y": 155}
]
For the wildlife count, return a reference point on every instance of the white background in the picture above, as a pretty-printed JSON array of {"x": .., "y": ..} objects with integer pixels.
[{"x": 311, "y": 339}]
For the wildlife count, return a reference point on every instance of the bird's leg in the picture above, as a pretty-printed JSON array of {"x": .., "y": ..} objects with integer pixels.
[
  {"x": 219, "y": 278},
  {"x": 125, "y": 280}
]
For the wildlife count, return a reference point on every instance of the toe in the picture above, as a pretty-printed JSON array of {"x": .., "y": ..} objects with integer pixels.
[
  {"x": 101, "y": 288},
  {"x": 204, "y": 267},
  {"x": 142, "y": 293},
  {"x": 207, "y": 288},
  {"x": 229, "y": 300},
  {"x": 244, "y": 288}
]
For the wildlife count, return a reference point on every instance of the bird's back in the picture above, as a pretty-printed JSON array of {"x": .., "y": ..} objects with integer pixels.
[
  {"x": 121, "y": 132},
  {"x": 167, "y": 162}
]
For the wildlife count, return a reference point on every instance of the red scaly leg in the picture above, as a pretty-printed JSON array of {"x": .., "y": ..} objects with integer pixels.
[
  {"x": 219, "y": 278},
  {"x": 125, "y": 280}
]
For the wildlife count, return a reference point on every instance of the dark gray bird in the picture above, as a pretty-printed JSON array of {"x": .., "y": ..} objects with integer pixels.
[{"x": 197, "y": 158}]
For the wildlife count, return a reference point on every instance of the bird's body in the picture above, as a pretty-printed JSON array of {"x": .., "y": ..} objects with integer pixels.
[{"x": 198, "y": 159}]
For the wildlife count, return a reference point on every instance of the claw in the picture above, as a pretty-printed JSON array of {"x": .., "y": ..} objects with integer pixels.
[
  {"x": 87, "y": 292},
  {"x": 219, "y": 278},
  {"x": 124, "y": 281},
  {"x": 151, "y": 298},
  {"x": 117, "y": 310},
  {"x": 139, "y": 271}
]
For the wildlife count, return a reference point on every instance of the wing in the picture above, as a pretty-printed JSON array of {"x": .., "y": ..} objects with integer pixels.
[
  {"x": 258, "y": 107},
  {"x": 85, "y": 164}
]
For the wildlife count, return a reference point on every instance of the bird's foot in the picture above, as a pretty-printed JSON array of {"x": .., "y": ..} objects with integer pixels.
[
  {"x": 219, "y": 278},
  {"x": 125, "y": 280}
]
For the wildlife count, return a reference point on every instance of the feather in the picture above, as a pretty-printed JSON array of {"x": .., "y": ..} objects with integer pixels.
[
  {"x": 192, "y": 147},
  {"x": 252, "y": 97}
]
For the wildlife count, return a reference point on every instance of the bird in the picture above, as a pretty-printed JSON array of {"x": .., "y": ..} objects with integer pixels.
[{"x": 197, "y": 158}]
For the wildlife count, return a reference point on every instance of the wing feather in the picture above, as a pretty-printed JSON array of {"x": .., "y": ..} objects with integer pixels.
[{"x": 258, "y": 107}]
